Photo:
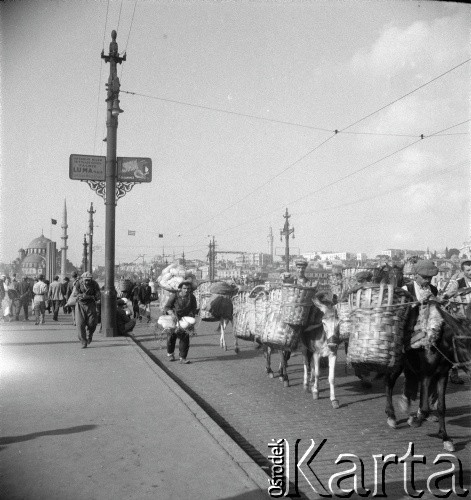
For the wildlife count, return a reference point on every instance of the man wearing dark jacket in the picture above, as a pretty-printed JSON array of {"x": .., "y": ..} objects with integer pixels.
[
  {"x": 145, "y": 293},
  {"x": 26, "y": 292},
  {"x": 182, "y": 304},
  {"x": 88, "y": 294}
]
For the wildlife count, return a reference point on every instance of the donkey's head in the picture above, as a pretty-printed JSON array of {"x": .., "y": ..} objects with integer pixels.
[{"x": 329, "y": 316}]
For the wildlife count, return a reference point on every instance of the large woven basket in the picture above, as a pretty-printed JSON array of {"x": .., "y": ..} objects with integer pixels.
[
  {"x": 459, "y": 302},
  {"x": 293, "y": 302},
  {"x": 378, "y": 313},
  {"x": 344, "y": 312},
  {"x": 277, "y": 333},
  {"x": 243, "y": 316},
  {"x": 261, "y": 311}
]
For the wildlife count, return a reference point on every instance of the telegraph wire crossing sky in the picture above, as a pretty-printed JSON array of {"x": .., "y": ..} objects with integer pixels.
[{"x": 245, "y": 109}]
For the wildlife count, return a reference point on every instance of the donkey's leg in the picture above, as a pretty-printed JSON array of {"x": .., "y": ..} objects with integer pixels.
[
  {"x": 315, "y": 385},
  {"x": 236, "y": 340},
  {"x": 424, "y": 407},
  {"x": 283, "y": 372},
  {"x": 389, "y": 382},
  {"x": 268, "y": 362},
  {"x": 223, "y": 332},
  {"x": 332, "y": 361},
  {"x": 307, "y": 361},
  {"x": 441, "y": 409}
]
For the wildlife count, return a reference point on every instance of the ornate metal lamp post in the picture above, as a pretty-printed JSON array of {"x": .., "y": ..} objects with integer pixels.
[{"x": 113, "y": 110}]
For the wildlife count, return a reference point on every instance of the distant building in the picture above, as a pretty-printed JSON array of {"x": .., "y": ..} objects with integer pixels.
[
  {"x": 338, "y": 256},
  {"x": 34, "y": 261},
  {"x": 393, "y": 252},
  {"x": 253, "y": 259}
]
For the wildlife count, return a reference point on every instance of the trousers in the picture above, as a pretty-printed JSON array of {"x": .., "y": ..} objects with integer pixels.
[
  {"x": 184, "y": 342},
  {"x": 85, "y": 318}
]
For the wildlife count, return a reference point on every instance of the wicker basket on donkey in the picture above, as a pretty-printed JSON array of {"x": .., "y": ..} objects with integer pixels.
[
  {"x": 293, "y": 302},
  {"x": 241, "y": 317},
  {"x": 287, "y": 312},
  {"x": 379, "y": 313},
  {"x": 250, "y": 310}
]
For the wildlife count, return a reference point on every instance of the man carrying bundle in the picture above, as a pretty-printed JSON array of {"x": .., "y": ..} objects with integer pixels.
[
  {"x": 182, "y": 304},
  {"x": 87, "y": 291}
]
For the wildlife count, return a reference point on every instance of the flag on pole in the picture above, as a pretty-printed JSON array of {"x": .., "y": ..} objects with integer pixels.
[
  {"x": 131, "y": 233},
  {"x": 53, "y": 221},
  {"x": 161, "y": 235}
]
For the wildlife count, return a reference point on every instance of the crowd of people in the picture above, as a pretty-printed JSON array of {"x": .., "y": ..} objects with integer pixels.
[{"x": 78, "y": 296}]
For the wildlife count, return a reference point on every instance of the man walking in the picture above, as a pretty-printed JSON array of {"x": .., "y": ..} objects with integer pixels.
[
  {"x": 55, "y": 297},
  {"x": 145, "y": 294},
  {"x": 25, "y": 297},
  {"x": 182, "y": 304},
  {"x": 88, "y": 294},
  {"x": 39, "y": 301}
]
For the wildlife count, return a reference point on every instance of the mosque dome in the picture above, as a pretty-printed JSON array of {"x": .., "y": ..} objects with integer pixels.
[
  {"x": 33, "y": 259},
  {"x": 40, "y": 242}
]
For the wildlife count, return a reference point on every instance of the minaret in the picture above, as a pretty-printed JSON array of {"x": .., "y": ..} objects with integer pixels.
[{"x": 64, "y": 241}]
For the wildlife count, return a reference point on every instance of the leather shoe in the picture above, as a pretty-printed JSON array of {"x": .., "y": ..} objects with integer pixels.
[
  {"x": 184, "y": 361},
  {"x": 171, "y": 357}
]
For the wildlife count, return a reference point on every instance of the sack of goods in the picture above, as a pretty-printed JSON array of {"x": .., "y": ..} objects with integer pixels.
[
  {"x": 378, "y": 316},
  {"x": 173, "y": 275},
  {"x": 167, "y": 321},
  {"x": 215, "y": 300},
  {"x": 186, "y": 322}
]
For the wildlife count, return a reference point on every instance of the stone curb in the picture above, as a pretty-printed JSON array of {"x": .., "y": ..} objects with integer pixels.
[{"x": 223, "y": 440}]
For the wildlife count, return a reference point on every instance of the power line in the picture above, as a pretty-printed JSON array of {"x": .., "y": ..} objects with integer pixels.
[
  {"x": 99, "y": 79},
  {"x": 130, "y": 27},
  {"x": 343, "y": 178},
  {"x": 273, "y": 120}
]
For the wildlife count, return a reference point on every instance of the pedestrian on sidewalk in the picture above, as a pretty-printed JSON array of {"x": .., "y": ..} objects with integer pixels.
[
  {"x": 87, "y": 292},
  {"x": 65, "y": 290},
  {"x": 135, "y": 301},
  {"x": 40, "y": 290},
  {"x": 145, "y": 294},
  {"x": 72, "y": 283},
  {"x": 124, "y": 322},
  {"x": 182, "y": 304},
  {"x": 55, "y": 297},
  {"x": 26, "y": 293}
]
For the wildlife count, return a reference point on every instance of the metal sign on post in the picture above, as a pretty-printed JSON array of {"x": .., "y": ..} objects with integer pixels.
[
  {"x": 87, "y": 168},
  {"x": 92, "y": 170},
  {"x": 134, "y": 169}
]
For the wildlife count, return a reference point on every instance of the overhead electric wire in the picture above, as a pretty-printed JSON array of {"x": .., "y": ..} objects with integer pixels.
[
  {"x": 328, "y": 139},
  {"x": 99, "y": 80},
  {"x": 273, "y": 120},
  {"x": 119, "y": 16},
  {"x": 344, "y": 177},
  {"x": 130, "y": 27}
]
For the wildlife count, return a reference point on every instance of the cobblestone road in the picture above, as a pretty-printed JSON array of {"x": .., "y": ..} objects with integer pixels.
[{"x": 254, "y": 409}]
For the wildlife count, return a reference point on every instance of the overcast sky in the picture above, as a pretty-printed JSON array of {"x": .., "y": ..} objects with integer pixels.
[{"x": 236, "y": 103}]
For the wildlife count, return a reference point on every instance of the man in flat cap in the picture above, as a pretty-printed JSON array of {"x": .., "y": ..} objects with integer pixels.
[
  {"x": 87, "y": 291},
  {"x": 300, "y": 278},
  {"x": 182, "y": 304}
]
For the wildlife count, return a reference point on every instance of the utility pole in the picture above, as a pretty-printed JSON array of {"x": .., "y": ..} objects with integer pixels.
[
  {"x": 112, "y": 113},
  {"x": 90, "y": 238},
  {"x": 212, "y": 259},
  {"x": 286, "y": 231},
  {"x": 270, "y": 245},
  {"x": 84, "y": 256}
]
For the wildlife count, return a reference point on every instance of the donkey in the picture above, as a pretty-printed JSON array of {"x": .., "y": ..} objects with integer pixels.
[
  {"x": 323, "y": 323},
  {"x": 428, "y": 368}
]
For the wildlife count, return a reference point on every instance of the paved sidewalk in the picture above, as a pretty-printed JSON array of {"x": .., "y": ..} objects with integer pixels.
[{"x": 106, "y": 423}]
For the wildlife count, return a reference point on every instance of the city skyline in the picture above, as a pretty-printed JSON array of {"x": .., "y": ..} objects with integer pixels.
[{"x": 352, "y": 115}]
